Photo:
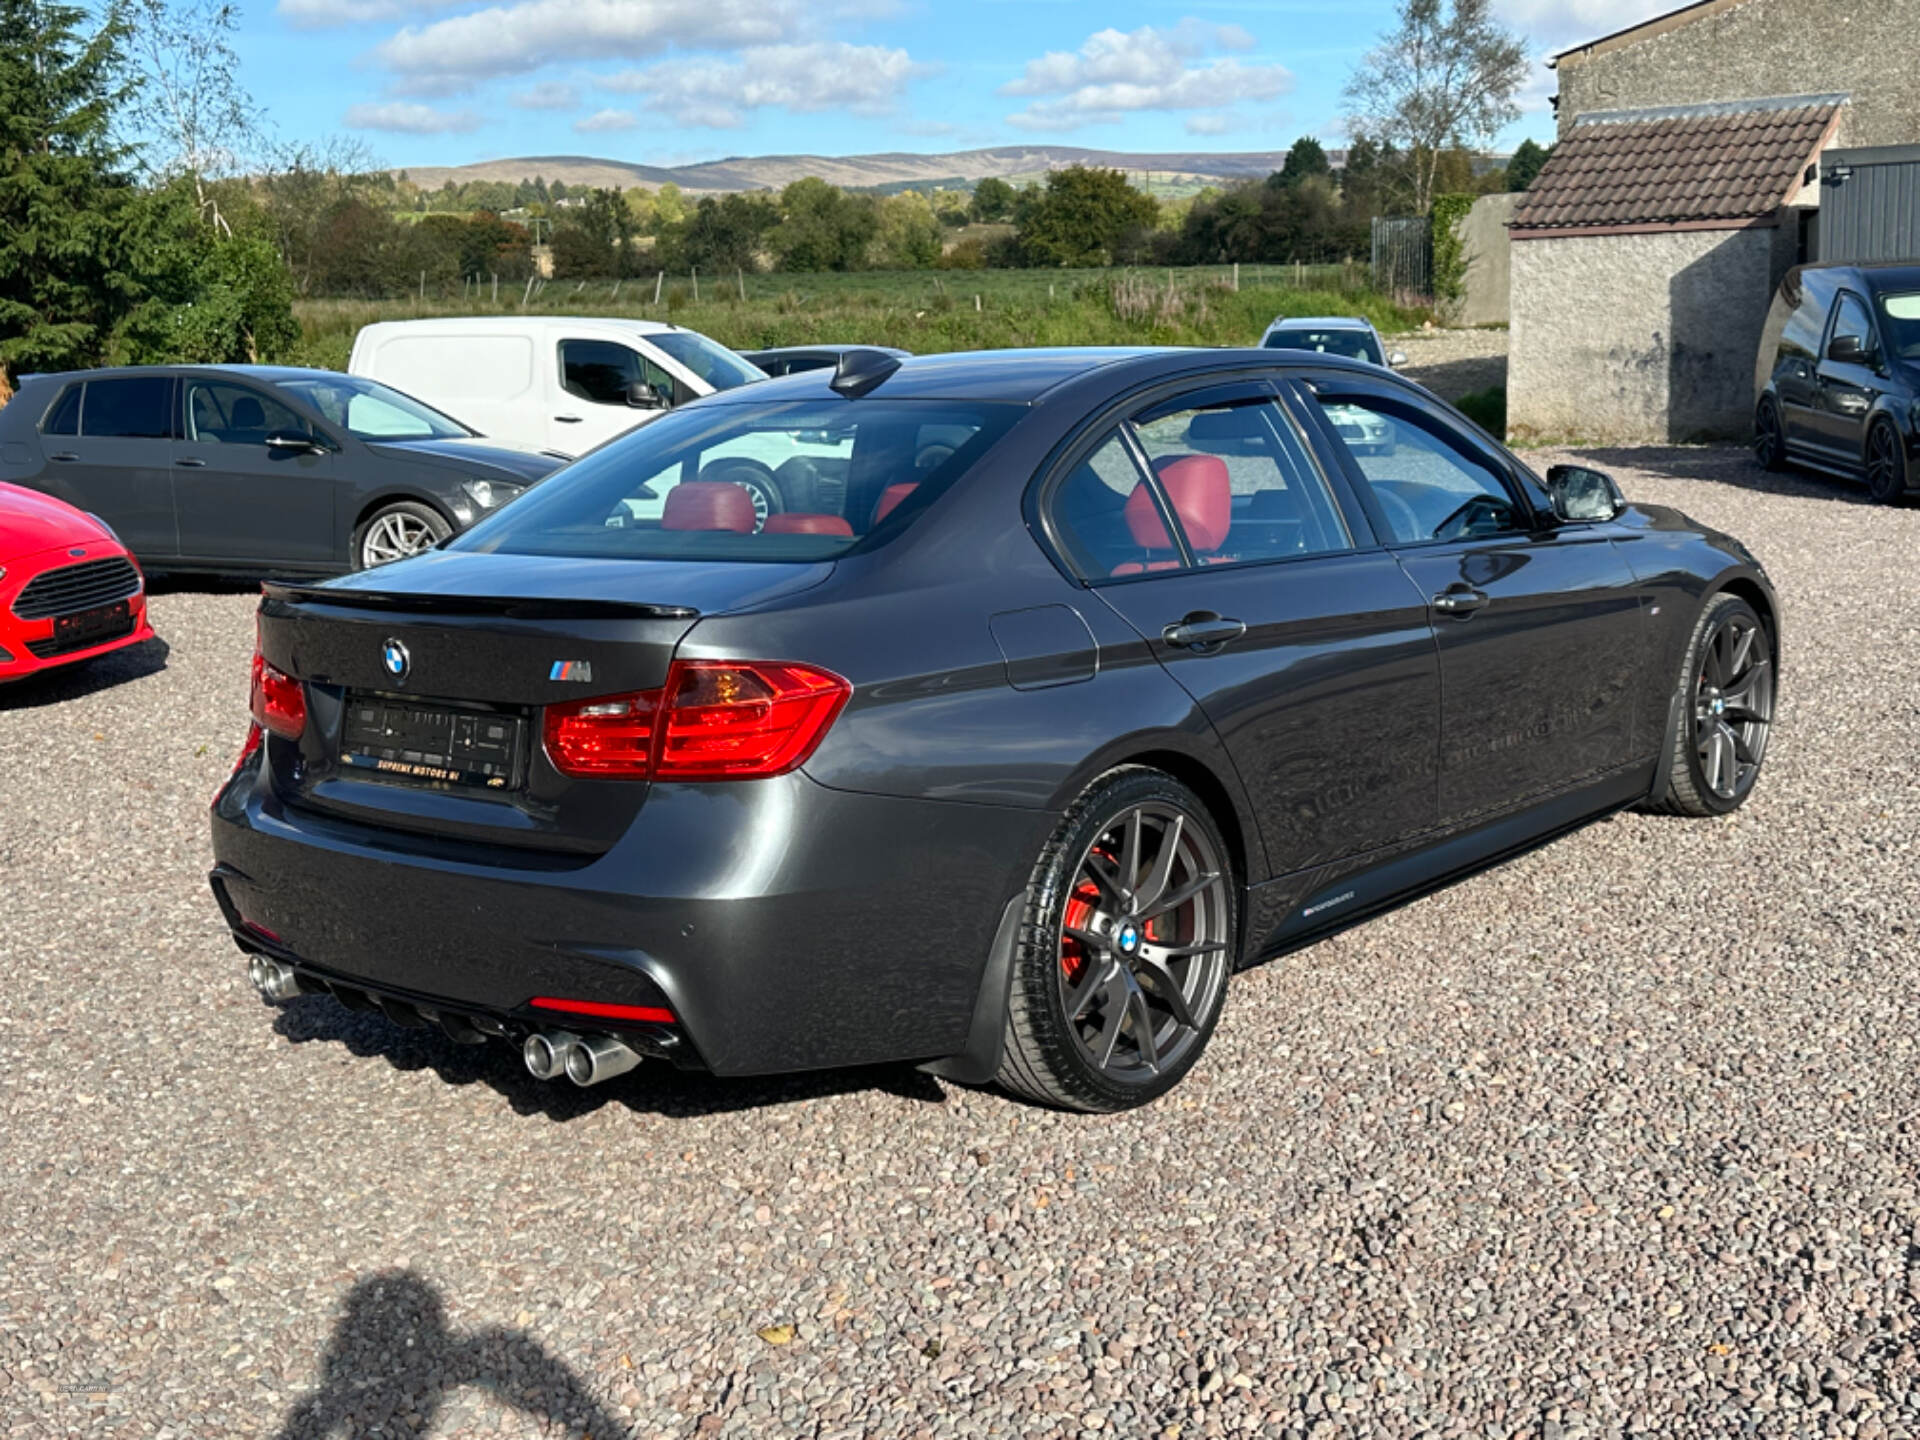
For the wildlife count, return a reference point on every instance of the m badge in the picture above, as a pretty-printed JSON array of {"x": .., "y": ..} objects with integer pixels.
[{"x": 579, "y": 670}]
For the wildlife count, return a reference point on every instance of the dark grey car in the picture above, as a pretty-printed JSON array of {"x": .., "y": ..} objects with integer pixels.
[{"x": 257, "y": 468}]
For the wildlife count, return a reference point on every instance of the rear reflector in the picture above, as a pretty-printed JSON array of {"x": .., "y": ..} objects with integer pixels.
[
  {"x": 713, "y": 720},
  {"x": 278, "y": 701},
  {"x": 648, "y": 1014}
]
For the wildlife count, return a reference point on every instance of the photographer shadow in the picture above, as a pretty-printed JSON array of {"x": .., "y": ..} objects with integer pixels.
[{"x": 392, "y": 1365}]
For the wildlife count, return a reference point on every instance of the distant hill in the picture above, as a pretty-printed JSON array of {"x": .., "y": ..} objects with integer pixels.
[{"x": 770, "y": 172}]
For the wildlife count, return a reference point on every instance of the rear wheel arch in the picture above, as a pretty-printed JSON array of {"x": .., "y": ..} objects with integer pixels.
[
  {"x": 1220, "y": 801},
  {"x": 398, "y": 497}
]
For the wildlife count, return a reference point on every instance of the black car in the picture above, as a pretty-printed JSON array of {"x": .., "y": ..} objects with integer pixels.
[
  {"x": 257, "y": 468},
  {"x": 1840, "y": 375},
  {"x": 1095, "y": 675},
  {"x": 793, "y": 359}
]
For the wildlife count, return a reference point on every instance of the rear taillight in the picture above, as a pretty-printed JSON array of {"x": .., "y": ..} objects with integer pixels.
[
  {"x": 278, "y": 701},
  {"x": 713, "y": 720}
]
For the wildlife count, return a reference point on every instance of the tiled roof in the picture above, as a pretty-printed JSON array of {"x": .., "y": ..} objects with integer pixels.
[{"x": 1731, "y": 162}]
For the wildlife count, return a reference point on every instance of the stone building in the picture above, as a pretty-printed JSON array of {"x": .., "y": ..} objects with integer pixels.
[
  {"x": 1719, "y": 50},
  {"x": 1685, "y": 183}
]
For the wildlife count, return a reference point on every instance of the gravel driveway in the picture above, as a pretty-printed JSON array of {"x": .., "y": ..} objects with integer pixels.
[{"x": 1621, "y": 1137}]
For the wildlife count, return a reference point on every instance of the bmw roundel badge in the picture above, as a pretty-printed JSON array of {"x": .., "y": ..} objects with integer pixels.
[{"x": 398, "y": 662}]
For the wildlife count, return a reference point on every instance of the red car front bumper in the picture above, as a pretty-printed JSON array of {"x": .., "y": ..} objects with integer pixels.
[{"x": 73, "y": 613}]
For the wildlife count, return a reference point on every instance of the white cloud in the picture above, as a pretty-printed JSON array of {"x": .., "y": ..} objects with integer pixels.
[
  {"x": 550, "y": 95},
  {"x": 1554, "y": 25},
  {"x": 718, "y": 93},
  {"x": 517, "y": 37},
  {"x": 604, "y": 121},
  {"x": 404, "y": 118},
  {"x": 1118, "y": 72}
]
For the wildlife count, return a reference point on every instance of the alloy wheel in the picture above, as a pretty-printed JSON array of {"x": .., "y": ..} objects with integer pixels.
[
  {"x": 394, "y": 536},
  {"x": 1886, "y": 471},
  {"x": 1143, "y": 943},
  {"x": 1767, "y": 444},
  {"x": 1733, "y": 705}
]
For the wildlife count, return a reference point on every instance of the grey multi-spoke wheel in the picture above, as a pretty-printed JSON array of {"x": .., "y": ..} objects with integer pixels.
[
  {"x": 1769, "y": 437},
  {"x": 1129, "y": 938},
  {"x": 1728, "y": 698},
  {"x": 1886, "y": 464},
  {"x": 396, "y": 531}
]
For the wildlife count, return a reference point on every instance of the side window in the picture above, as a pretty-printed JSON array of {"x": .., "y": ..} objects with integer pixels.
[
  {"x": 604, "y": 372},
  {"x": 1850, "y": 318},
  {"x": 1800, "y": 340},
  {"x": 223, "y": 414},
  {"x": 64, "y": 418},
  {"x": 1431, "y": 484},
  {"x": 137, "y": 408},
  {"x": 1104, "y": 515},
  {"x": 1243, "y": 482}
]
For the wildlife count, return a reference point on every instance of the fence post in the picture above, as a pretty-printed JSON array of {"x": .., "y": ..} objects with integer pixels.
[
  {"x": 658, "y": 281},
  {"x": 526, "y": 294},
  {"x": 740, "y": 279},
  {"x": 423, "y": 287},
  {"x": 694, "y": 271},
  {"x": 1236, "y": 277},
  {"x": 616, "y": 291},
  {"x": 496, "y": 286}
]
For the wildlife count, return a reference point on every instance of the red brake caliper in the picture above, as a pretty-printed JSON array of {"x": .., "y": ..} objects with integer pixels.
[{"x": 1080, "y": 906}]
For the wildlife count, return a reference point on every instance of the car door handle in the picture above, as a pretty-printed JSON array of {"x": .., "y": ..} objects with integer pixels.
[
  {"x": 568, "y": 419},
  {"x": 191, "y": 464},
  {"x": 1203, "y": 630},
  {"x": 1459, "y": 600},
  {"x": 64, "y": 456}
]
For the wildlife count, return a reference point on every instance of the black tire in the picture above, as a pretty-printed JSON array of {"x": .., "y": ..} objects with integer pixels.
[
  {"x": 410, "y": 518},
  {"x": 1886, "y": 463},
  {"x": 1701, "y": 764},
  {"x": 1049, "y": 1055},
  {"x": 1769, "y": 437}
]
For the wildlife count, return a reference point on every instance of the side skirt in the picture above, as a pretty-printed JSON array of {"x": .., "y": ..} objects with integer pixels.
[{"x": 1298, "y": 909}]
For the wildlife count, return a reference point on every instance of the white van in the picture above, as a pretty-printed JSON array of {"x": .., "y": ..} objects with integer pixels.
[{"x": 559, "y": 383}]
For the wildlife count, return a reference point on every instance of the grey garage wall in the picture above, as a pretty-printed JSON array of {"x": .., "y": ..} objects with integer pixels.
[
  {"x": 1486, "y": 290},
  {"x": 1874, "y": 212},
  {"x": 1640, "y": 339}
]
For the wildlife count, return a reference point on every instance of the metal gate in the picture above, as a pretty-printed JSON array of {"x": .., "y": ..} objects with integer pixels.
[
  {"x": 1403, "y": 256},
  {"x": 1870, "y": 204}
]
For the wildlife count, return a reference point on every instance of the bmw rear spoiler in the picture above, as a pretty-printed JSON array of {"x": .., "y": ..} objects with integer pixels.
[{"x": 512, "y": 607}]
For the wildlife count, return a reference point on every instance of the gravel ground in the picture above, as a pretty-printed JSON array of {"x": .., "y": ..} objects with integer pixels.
[
  {"x": 1620, "y": 1138},
  {"x": 1452, "y": 363}
]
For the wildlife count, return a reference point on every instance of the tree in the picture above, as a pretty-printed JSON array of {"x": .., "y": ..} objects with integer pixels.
[
  {"x": 63, "y": 189},
  {"x": 189, "y": 96},
  {"x": 823, "y": 228},
  {"x": 992, "y": 199},
  {"x": 1525, "y": 166},
  {"x": 722, "y": 235},
  {"x": 1085, "y": 216},
  {"x": 908, "y": 234},
  {"x": 1444, "y": 80},
  {"x": 1307, "y": 157}
]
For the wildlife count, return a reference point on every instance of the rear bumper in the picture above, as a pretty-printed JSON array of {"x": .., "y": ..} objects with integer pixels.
[{"x": 786, "y": 925}]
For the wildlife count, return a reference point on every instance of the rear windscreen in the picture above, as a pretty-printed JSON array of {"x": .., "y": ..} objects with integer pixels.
[
  {"x": 802, "y": 481},
  {"x": 1352, "y": 344}
]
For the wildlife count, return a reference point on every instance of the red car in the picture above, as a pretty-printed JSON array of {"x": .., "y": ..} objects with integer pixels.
[{"x": 68, "y": 588}]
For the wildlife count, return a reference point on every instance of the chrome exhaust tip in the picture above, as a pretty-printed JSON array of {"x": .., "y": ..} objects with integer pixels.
[
  {"x": 599, "y": 1057},
  {"x": 272, "y": 979},
  {"x": 547, "y": 1053}
]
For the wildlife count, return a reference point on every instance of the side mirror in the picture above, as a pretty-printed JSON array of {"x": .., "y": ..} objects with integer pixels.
[
  {"x": 1582, "y": 496},
  {"x": 642, "y": 396},
  {"x": 291, "y": 440},
  {"x": 1396, "y": 359},
  {"x": 1849, "y": 350}
]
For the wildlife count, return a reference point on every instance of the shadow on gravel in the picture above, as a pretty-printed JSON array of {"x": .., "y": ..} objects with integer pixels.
[
  {"x": 392, "y": 1358},
  {"x": 1453, "y": 378},
  {"x": 1724, "y": 465},
  {"x": 187, "y": 583},
  {"x": 655, "y": 1088},
  {"x": 72, "y": 682}
]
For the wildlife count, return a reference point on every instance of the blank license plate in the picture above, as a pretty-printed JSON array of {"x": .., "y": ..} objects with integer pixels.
[{"x": 431, "y": 745}]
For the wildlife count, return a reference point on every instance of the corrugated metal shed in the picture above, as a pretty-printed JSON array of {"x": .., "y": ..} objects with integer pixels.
[{"x": 1870, "y": 204}]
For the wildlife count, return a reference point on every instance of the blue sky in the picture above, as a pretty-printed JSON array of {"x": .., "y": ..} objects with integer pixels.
[{"x": 443, "y": 82}]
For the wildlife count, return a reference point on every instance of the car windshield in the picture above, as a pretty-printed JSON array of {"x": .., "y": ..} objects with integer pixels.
[
  {"x": 1900, "y": 318},
  {"x": 801, "y": 481},
  {"x": 1353, "y": 344},
  {"x": 368, "y": 410},
  {"x": 715, "y": 364}
]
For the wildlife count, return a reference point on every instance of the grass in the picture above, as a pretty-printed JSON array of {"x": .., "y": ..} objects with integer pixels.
[{"x": 925, "y": 311}]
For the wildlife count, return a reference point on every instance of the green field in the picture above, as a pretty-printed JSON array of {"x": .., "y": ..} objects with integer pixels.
[{"x": 925, "y": 311}]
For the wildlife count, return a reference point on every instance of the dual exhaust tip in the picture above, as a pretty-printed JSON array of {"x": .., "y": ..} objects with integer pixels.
[
  {"x": 584, "y": 1059},
  {"x": 272, "y": 979}
]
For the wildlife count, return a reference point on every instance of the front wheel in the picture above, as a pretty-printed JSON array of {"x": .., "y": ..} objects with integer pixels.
[
  {"x": 1769, "y": 437},
  {"x": 396, "y": 531},
  {"x": 1886, "y": 464},
  {"x": 1125, "y": 949},
  {"x": 1727, "y": 699}
]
